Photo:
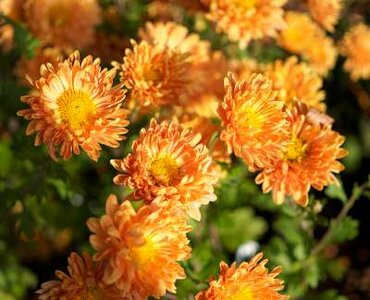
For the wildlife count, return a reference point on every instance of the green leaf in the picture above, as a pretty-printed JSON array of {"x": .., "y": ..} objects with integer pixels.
[
  {"x": 238, "y": 226},
  {"x": 346, "y": 230},
  {"x": 6, "y": 158},
  {"x": 336, "y": 192},
  {"x": 312, "y": 274}
]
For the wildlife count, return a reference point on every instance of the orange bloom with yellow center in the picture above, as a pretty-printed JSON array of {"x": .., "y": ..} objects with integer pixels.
[
  {"x": 326, "y": 13},
  {"x": 74, "y": 105},
  {"x": 243, "y": 20},
  {"x": 155, "y": 76},
  {"x": 67, "y": 24},
  {"x": 84, "y": 282},
  {"x": 321, "y": 59},
  {"x": 141, "y": 249},
  {"x": 355, "y": 45},
  {"x": 248, "y": 281},
  {"x": 168, "y": 163},
  {"x": 296, "y": 81},
  {"x": 309, "y": 160},
  {"x": 253, "y": 121}
]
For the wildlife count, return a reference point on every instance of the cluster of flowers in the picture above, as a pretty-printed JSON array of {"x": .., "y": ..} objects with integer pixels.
[
  {"x": 75, "y": 105},
  {"x": 272, "y": 117}
]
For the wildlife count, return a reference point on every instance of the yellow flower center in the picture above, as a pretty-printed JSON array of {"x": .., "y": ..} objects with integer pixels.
[
  {"x": 164, "y": 169},
  {"x": 58, "y": 14},
  {"x": 242, "y": 294},
  {"x": 246, "y": 3},
  {"x": 251, "y": 118},
  {"x": 143, "y": 254},
  {"x": 75, "y": 108},
  {"x": 296, "y": 149},
  {"x": 152, "y": 74}
]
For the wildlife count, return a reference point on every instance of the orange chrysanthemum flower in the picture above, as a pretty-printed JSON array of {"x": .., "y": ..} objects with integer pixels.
[
  {"x": 322, "y": 58},
  {"x": 207, "y": 68},
  {"x": 296, "y": 81},
  {"x": 67, "y": 24},
  {"x": 156, "y": 76},
  {"x": 168, "y": 163},
  {"x": 253, "y": 121},
  {"x": 249, "y": 280},
  {"x": 176, "y": 37},
  {"x": 141, "y": 248},
  {"x": 85, "y": 281},
  {"x": 74, "y": 105},
  {"x": 356, "y": 47},
  {"x": 30, "y": 68},
  {"x": 309, "y": 160},
  {"x": 326, "y": 13},
  {"x": 244, "y": 20}
]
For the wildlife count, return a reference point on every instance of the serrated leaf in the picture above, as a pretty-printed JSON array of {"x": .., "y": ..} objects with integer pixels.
[{"x": 238, "y": 226}]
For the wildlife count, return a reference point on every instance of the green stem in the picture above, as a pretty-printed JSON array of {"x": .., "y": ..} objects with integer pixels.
[{"x": 346, "y": 208}]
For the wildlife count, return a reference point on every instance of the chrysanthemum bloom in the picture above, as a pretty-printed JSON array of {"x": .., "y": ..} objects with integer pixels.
[
  {"x": 244, "y": 20},
  {"x": 141, "y": 248},
  {"x": 156, "y": 76},
  {"x": 84, "y": 281},
  {"x": 296, "y": 81},
  {"x": 356, "y": 47},
  {"x": 207, "y": 68},
  {"x": 309, "y": 160},
  {"x": 30, "y": 68},
  {"x": 67, "y": 24},
  {"x": 249, "y": 280},
  {"x": 291, "y": 38},
  {"x": 326, "y": 13},
  {"x": 176, "y": 37},
  {"x": 253, "y": 121},
  {"x": 321, "y": 59},
  {"x": 168, "y": 163},
  {"x": 74, "y": 105}
]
